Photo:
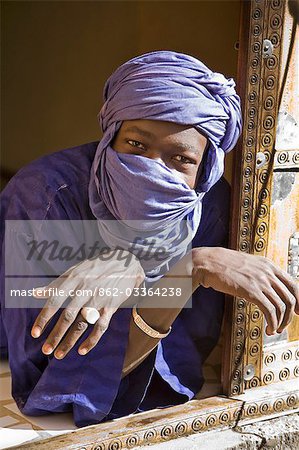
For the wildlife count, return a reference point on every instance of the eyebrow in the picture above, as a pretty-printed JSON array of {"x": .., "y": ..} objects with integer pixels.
[
  {"x": 148, "y": 134},
  {"x": 140, "y": 131}
]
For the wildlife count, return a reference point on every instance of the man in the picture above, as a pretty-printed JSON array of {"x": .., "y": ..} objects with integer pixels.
[{"x": 167, "y": 123}]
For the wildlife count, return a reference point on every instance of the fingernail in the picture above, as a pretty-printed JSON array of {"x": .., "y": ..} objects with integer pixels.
[
  {"x": 47, "y": 349},
  {"x": 83, "y": 351},
  {"x": 59, "y": 354},
  {"x": 36, "y": 332}
]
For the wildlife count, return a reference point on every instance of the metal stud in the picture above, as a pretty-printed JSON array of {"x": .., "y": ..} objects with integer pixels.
[{"x": 267, "y": 48}]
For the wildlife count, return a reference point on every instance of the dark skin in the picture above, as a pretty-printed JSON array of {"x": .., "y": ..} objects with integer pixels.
[
  {"x": 255, "y": 278},
  {"x": 180, "y": 147}
]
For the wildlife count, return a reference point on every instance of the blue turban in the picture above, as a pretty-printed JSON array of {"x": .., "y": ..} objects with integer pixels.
[{"x": 172, "y": 87}]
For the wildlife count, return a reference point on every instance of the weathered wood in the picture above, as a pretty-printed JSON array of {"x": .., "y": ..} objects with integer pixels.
[{"x": 165, "y": 424}]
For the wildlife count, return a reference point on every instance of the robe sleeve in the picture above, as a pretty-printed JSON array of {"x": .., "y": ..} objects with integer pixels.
[{"x": 86, "y": 385}]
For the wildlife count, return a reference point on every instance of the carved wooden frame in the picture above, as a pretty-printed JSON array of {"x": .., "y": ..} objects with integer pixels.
[
  {"x": 258, "y": 86},
  {"x": 260, "y": 92}
]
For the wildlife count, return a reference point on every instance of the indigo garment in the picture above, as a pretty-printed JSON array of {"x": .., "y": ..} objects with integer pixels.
[
  {"x": 55, "y": 187},
  {"x": 167, "y": 86},
  {"x": 164, "y": 210}
]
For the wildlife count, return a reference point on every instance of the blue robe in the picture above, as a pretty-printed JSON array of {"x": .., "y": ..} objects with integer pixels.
[{"x": 56, "y": 187}]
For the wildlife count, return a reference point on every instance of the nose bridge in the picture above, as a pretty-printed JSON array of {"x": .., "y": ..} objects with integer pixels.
[{"x": 156, "y": 155}]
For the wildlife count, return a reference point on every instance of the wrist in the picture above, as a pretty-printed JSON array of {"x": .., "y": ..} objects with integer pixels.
[{"x": 202, "y": 267}]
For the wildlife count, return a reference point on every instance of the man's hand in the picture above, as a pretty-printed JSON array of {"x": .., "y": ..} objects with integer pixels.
[
  {"x": 254, "y": 278},
  {"x": 113, "y": 278}
]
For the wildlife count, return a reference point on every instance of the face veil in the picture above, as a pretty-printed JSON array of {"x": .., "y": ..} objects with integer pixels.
[{"x": 165, "y": 86}]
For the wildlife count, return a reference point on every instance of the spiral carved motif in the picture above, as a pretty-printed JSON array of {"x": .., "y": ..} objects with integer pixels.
[
  {"x": 246, "y": 216},
  {"x": 250, "y": 141},
  {"x": 252, "y": 95},
  {"x": 291, "y": 400},
  {"x": 249, "y": 157},
  {"x": 255, "y": 315},
  {"x": 100, "y": 446},
  {"x": 263, "y": 211},
  {"x": 264, "y": 407},
  {"x": 276, "y": 4},
  {"x": 181, "y": 428},
  {"x": 287, "y": 356},
  {"x": 275, "y": 21},
  {"x": 263, "y": 176},
  {"x": 224, "y": 417},
  {"x": 237, "y": 414},
  {"x": 257, "y": 14},
  {"x": 239, "y": 333},
  {"x": 254, "y": 349},
  {"x": 267, "y": 140},
  {"x": 197, "y": 425},
  {"x": 269, "y": 102},
  {"x": 246, "y": 202},
  {"x": 264, "y": 194},
  {"x": 283, "y": 157},
  {"x": 247, "y": 172},
  {"x": 278, "y": 404},
  {"x": 245, "y": 232},
  {"x": 115, "y": 445},
  {"x": 274, "y": 38},
  {"x": 252, "y": 112},
  {"x": 296, "y": 158},
  {"x": 255, "y": 333},
  {"x": 211, "y": 420},
  {"x": 261, "y": 229},
  {"x": 271, "y": 63},
  {"x": 241, "y": 304},
  {"x": 250, "y": 125},
  {"x": 236, "y": 389},
  {"x": 244, "y": 246},
  {"x": 247, "y": 184},
  {"x": 252, "y": 409},
  {"x": 269, "y": 359},
  {"x": 240, "y": 318},
  {"x": 167, "y": 431},
  {"x": 260, "y": 245},
  {"x": 254, "y": 78},
  {"x": 268, "y": 123},
  {"x": 268, "y": 377},
  {"x": 238, "y": 347},
  {"x": 256, "y": 30},
  {"x": 254, "y": 382},
  {"x": 284, "y": 374},
  {"x": 237, "y": 375},
  {"x": 150, "y": 435},
  {"x": 270, "y": 82},
  {"x": 132, "y": 441},
  {"x": 256, "y": 48}
]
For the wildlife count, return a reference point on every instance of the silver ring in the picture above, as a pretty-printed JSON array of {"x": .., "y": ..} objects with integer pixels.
[{"x": 91, "y": 315}]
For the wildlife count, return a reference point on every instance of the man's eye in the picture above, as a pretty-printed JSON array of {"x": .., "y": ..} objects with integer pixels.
[
  {"x": 136, "y": 144},
  {"x": 183, "y": 160}
]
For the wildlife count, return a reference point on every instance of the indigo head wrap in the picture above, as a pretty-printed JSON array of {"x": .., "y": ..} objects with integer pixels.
[{"x": 173, "y": 87}]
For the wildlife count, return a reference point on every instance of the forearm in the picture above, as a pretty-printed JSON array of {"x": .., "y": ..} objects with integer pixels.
[{"x": 139, "y": 343}]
